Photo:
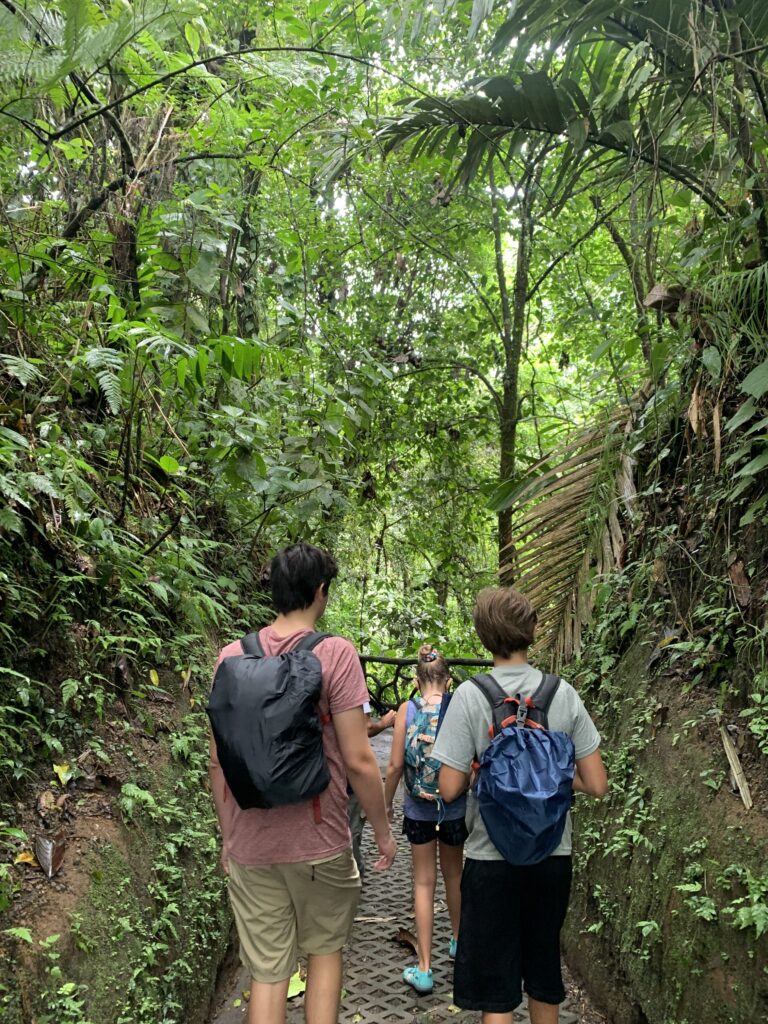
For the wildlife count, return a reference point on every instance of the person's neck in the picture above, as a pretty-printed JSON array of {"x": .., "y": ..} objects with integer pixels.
[
  {"x": 515, "y": 660},
  {"x": 433, "y": 692},
  {"x": 292, "y": 622}
]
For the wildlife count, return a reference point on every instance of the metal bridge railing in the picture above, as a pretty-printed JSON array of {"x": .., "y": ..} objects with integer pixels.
[{"x": 388, "y": 693}]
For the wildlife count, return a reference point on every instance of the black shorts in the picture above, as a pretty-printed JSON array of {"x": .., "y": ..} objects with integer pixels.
[
  {"x": 509, "y": 936},
  {"x": 451, "y": 833}
]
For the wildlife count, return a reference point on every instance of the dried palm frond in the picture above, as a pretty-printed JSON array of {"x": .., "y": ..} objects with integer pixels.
[{"x": 567, "y": 525}]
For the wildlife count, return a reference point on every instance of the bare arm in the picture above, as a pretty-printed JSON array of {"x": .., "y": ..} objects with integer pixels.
[
  {"x": 590, "y": 776},
  {"x": 396, "y": 758},
  {"x": 363, "y": 773},
  {"x": 374, "y": 728},
  {"x": 222, "y": 801},
  {"x": 452, "y": 783}
]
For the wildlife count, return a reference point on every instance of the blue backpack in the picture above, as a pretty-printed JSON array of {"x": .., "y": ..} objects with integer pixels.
[{"x": 524, "y": 784}]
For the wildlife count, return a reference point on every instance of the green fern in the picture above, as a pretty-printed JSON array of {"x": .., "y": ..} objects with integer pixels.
[
  {"x": 10, "y": 522},
  {"x": 22, "y": 369},
  {"x": 101, "y": 358},
  {"x": 41, "y": 484},
  {"x": 110, "y": 388}
]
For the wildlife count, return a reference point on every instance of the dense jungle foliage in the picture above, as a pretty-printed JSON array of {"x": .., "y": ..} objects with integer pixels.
[{"x": 456, "y": 289}]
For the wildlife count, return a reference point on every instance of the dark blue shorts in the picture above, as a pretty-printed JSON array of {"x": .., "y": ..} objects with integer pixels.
[
  {"x": 494, "y": 963},
  {"x": 451, "y": 833}
]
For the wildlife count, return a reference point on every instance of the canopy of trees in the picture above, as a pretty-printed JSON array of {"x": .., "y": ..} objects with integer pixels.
[{"x": 396, "y": 278}]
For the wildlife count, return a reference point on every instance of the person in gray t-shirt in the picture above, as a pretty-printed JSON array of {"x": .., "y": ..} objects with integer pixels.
[{"x": 493, "y": 964}]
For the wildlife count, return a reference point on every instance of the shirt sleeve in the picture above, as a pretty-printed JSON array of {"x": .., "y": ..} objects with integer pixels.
[
  {"x": 345, "y": 681},
  {"x": 586, "y": 738},
  {"x": 455, "y": 743}
]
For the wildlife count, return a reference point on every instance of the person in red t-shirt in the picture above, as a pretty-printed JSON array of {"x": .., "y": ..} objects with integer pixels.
[{"x": 293, "y": 882}]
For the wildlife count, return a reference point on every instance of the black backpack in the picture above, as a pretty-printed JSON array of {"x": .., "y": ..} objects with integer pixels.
[{"x": 267, "y": 726}]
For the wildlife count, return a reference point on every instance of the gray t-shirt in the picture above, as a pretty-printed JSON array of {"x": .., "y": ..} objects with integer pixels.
[{"x": 464, "y": 735}]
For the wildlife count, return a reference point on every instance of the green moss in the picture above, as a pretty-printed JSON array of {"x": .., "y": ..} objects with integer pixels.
[
  {"x": 146, "y": 940},
  {"x": 660, "y": 869}
]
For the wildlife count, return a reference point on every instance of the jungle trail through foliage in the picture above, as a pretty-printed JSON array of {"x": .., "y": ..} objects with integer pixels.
[{"x": 456, "y": 289}]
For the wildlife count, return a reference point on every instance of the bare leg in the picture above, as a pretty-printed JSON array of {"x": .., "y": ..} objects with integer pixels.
[
  {"x": 451, "y": 864},
  {"x": 424, "y": 857},
  {"x": 267, "y": 1002},
  {"x": 323, "y": 995},
  {"x": 542, "y": 1013},
  {"x": 496, "y": 1018}
]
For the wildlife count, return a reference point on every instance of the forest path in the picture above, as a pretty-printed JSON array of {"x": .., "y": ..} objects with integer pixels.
[{"x": 374, "y": 992}]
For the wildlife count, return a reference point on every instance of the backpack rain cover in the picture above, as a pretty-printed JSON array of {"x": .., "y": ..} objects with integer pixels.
[{"x": 266, "y": 724}]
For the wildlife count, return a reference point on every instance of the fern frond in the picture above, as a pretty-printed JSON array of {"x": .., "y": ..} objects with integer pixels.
[
  {"x": 30, "y": 66},
  {"x": 11, "y": 491},
  {"x": 24, "y": 371},
  {"x": 110, "y": 388},
  {"x": 77, "y": 19},
  {"x": 102, "y": 358},
  {"x": 41, "y": 484},
  {"x": 10, "y": 522}
]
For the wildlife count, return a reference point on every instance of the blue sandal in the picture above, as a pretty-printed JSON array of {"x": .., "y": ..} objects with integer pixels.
[
  {"x": 452, "y": 949},
  {"x": 420, "y": 981}
]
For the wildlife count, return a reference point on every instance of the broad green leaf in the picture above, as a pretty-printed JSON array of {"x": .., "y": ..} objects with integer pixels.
[
  {"x": 756, "y": 382},
  {"x": 713, "y": 361},
  {"x": 201, "y": 366},
  {"x": 169, "y": 465},
  {"x": 193, "y": 38},
  {"x": 754, "y": 465},
  {"x": 63, "y": 773},
  {"x": 744, "y": 413}
]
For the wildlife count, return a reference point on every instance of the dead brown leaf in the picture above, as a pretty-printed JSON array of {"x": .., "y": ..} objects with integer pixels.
[
  {"x": 50, "y": 853},
  {"x": 406, "y": 938},
  {"x": 46, "y": 803},
  {"x": 696, "y": 413},
  {"x": 716, "y": 415},
  {"x": 741, "y": 588}
]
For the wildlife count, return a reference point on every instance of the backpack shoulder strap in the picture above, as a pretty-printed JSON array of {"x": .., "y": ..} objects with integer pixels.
[
  {"x": 494, "y": 693},
  {"x": 252, "y": 645},
  {"x": 544, "y": 695},
  {"x": 310, "y": 641},
  {"x": 496, "y": 696},
  {"x": 443, "y": 708}
]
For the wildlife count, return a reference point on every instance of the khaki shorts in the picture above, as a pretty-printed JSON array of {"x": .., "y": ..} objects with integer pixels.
[{"x": 281, "y": 909}]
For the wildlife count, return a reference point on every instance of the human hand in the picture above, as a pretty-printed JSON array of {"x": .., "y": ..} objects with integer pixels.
[
  {"x": 387, "y": 848},
  {"x": 388, "y": 720}
]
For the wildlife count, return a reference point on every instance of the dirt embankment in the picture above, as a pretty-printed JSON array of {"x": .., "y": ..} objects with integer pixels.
[
  {"x": 133, "y": 927},
  {"x": 669, "y": 915}
]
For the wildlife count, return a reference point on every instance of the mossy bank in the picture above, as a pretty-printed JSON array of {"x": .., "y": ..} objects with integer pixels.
[
  {"x": 669, "y": 914},
  {"x": 135, "y": 927}
]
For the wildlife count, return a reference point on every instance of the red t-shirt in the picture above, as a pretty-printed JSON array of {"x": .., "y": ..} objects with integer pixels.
[{"x": 290, "y": 834}]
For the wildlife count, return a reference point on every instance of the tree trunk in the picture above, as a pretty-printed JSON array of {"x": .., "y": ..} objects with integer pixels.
[{"x": 513, "y": 332}]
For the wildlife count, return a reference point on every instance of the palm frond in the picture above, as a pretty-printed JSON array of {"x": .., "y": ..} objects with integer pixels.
[{"x": 567, "y": 524}]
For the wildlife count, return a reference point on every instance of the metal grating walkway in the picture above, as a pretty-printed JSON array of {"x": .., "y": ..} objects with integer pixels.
[{"x": 374, "y": 992}]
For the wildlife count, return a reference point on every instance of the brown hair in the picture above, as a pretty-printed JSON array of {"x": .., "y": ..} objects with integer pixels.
[
  {"x": 431, "y": 668},
  {"x": 504, "y": 619}
]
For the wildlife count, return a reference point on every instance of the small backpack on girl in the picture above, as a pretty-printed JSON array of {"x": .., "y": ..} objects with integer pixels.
[{"x": 422, "y": 771}]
